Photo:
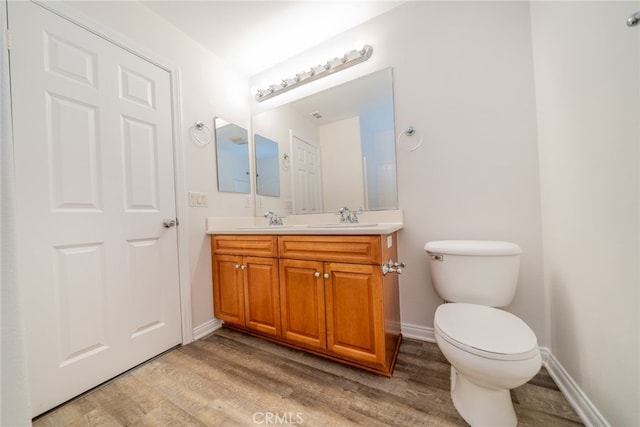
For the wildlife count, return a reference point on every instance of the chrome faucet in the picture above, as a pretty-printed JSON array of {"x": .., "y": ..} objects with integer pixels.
[
  {"x": 347, "y": 216},
  {"x": 273, "y": 218},
  {"x": 344, "y": 214},
  {"x": 353, "y": 215}
]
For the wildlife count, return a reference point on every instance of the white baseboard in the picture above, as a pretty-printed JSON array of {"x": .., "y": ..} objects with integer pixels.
[
  {"x": 579, "y": 401},
  {"x": 206, "y": 328},
  {"x": 417, "y": 332}
]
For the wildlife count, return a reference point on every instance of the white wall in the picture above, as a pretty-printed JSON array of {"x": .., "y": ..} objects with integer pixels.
[
  {"x": 463, "y": 76},
  {"x": 14, "y": 393},
  {"x": 341, "y": 160},
  {"x": 209, "y": 88},
  {"x": 587, "y": 68}
]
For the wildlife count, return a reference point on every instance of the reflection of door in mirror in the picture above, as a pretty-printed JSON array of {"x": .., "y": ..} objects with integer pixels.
[
  {"x": 305, "y": 177},
  {"x": 267, "y": 167},
  {"x": 232, "y": 157}
]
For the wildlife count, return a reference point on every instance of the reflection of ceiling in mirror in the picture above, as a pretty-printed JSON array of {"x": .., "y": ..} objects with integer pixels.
[
  {"x": 348, "y": 99},
  {"x": 265, "y": 148},
  {"x": 235, "y": 135}
]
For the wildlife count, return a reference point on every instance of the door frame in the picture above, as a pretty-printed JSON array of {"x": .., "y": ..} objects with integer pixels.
[{"x": 123, "y": 42}]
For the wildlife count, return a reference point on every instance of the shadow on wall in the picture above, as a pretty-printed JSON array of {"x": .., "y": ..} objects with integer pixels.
[{"x": 565, "y": 327}]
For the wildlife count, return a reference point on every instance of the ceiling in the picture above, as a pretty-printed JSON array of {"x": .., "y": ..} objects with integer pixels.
[{"x": 255, "y": 35}]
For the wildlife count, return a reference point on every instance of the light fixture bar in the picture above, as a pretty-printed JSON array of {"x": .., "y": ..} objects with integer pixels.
[{"x": 332, "y": 66}]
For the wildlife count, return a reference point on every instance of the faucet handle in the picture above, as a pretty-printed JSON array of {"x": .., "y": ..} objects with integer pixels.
[
  {"x": 274, "y": 219},
  {"x": 344, "y": 214},
  {"x": 353, "y": 215}
]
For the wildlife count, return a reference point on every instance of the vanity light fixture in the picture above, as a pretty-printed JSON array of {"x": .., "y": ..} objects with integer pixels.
[{"x": 334, "y": 65}]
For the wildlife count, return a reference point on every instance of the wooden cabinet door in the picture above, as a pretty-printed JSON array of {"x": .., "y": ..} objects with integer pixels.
[
  {"x": 228, "y": 289},
  {"x": 354, "y": 310},
  {"x": 262, "y": 295},
  {"x": 302, "y": 302}
]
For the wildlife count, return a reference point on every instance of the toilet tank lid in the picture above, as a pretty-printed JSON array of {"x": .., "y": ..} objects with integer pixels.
[{"x": 472, "y": 247}]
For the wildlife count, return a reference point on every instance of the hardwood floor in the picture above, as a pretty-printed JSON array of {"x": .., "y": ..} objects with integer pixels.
[{"x": 231, "y": 379}]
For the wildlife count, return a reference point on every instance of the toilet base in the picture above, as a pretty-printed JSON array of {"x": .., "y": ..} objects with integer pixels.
[{"x": 480, "y": 406}]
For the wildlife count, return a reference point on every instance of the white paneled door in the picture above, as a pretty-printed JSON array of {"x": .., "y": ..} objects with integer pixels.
[
  {"x": 93, "y": 149},
  {"x": 305, "y": 170}
]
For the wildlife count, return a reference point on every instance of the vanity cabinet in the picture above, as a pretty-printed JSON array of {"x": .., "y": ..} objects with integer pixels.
[
  {"x": 355, "y": 318},
  {"x": 348, "y": 272},
  {"x": 333, "y": 301},
  {"x": 302, "y": 299},
  {"x": 246, "y": 288}
]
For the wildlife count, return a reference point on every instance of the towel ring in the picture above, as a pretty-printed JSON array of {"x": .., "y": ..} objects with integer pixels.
[
  {"x": 201, "y": 127},
  {"x": 410, "y": 131}
]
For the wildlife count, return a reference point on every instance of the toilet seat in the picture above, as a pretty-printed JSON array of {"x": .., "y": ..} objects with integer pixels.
[{"x": 485, "y": 331}]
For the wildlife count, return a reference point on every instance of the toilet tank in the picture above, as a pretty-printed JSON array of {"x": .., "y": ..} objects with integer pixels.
[{"x": 474, "y": 271}]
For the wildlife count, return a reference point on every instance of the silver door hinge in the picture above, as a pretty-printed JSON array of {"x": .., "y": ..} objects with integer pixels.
[{"x": 9, "y": 40}]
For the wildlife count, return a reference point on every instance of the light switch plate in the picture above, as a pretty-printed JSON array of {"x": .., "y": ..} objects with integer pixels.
[{"x": 197, "y": 199}]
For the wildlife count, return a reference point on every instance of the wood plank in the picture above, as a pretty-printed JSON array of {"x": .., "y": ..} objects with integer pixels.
[
  {"x": 233, "y": 379},
  {"x": 347, "y": 249},
  {"x": 249, "y": 245}
]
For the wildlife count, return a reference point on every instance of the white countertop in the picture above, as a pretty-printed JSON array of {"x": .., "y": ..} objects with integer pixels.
[
  {"x": 312, "y": 230},
  {"x": 371, "y": 223}
]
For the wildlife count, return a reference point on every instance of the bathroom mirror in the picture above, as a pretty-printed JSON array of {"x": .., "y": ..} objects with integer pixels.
[
  {"x": 232, "y": 157},
  {"x": 267, "y": 169},
  {"x": 335, "y": 148}
]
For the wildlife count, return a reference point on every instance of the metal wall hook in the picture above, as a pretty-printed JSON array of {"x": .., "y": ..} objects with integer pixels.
[
  {"x": 410, "y": 131},
  {"x": 633, "y": 20}
]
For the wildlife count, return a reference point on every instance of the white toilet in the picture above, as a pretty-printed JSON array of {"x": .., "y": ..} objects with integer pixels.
[{"x": 490, "y": 350}]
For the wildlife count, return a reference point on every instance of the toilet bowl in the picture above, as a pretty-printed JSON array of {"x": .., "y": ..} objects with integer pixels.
[{"x": 491, "y": 351}]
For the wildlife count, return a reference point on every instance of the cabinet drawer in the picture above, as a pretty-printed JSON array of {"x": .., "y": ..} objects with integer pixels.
[
  {"x": 248, "y": 245},
  {"x": 350, "y": 249}
]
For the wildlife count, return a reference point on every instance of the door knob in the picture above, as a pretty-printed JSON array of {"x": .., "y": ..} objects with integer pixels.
[{"x": 169, "y": 222}]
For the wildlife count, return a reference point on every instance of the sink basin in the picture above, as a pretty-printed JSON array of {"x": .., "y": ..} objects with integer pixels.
[
  {"x": 343, "y": 225},
  {"x": 262, "y": 227}
]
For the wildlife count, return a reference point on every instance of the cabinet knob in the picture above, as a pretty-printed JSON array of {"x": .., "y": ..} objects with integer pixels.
[
  {"x": 326, "y": 275},
  {"x": 242, "y": 267},
  {"x": 316, "y": 274},
  {"x": 237, "y": 266}
]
